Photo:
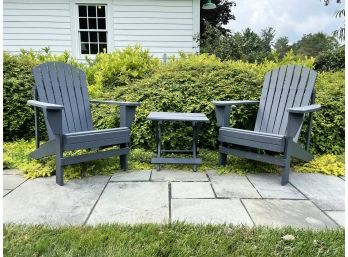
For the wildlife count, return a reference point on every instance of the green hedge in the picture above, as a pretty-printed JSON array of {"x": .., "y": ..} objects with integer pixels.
[
  {"x": 188, "y": 84},
  {"x": 18, "y": 85},
  {"x": 192, "y": 82}
]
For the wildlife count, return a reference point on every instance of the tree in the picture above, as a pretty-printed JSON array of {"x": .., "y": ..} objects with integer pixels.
[
  {"x": 217, "y": 17},
  {"x": 281, "y": 46},
  {"x": 341, "y": 13},
  {"x": 313, "y": 44}
]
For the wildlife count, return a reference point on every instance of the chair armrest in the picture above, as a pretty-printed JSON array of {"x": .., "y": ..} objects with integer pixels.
[
  {"x": 54, "y": 114},
  {"x": 238, "y": 102},
  {"x": 223, "y": 110},
  {"x": 46, "y": 106},
  {"x": 305, "y": 109},
  {"x": 127, "y": 110},
  {"x": 119, "y": 103}
]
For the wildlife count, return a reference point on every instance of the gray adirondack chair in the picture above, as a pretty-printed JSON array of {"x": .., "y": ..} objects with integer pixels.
[
  {"x": 61, "y": 92},
  {"x": 287, "y": 96}
]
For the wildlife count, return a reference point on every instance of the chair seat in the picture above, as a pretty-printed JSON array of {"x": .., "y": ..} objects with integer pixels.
[
  {"x": 96, "y": 138},
  {"x": 260, "y": 140}
]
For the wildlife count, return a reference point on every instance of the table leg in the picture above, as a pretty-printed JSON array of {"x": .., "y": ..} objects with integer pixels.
[
  {"x": 158, "y": 142},
  {"x": 194, "y": 144}
]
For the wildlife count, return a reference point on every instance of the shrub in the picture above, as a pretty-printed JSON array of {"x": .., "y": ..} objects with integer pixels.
[
  {"x": 190, "y": 83},
  {"x": 120, "y": 68},
  {"x": 327, "y": 164},
  {"x": 331, "y": 60},
  {"x": 18, "y": 85}
]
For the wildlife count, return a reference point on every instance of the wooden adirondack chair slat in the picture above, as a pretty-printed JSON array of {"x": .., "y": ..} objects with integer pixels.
[
  {"x": 283, "y": 98},
  {"x": 66, "y": 98},
  {"x": 263, "y": 99}
]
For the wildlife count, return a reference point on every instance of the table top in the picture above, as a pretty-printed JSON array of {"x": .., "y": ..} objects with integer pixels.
[{"x": 177, "y": 116}]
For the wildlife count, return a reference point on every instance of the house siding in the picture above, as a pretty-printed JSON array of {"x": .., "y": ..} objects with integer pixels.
[{"x": 162, "y": 26}]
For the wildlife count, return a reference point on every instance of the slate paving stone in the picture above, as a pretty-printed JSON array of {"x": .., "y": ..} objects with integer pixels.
[
  {"x": 268, "y": 186},
  {"x": 131, "y": 203},
  {"x": 232, "y": 185},
  {"x": 343, "y": 177},
  {"x": 13, "y": 181},
  {"x": 12, "y": 172},
  {"x": 5, "y": 192},
  {"x": 278, "y": 213},
  {"x": 337, "y": 216},
  {"x": 215, "y": 211},
  {"x": 42, "y": 201},
  {"x": 327, "y": 192},
  {"x": 131, "y": 176},
  {"x": 178, "y": 175},
  {"x": 192, "y": 190}
]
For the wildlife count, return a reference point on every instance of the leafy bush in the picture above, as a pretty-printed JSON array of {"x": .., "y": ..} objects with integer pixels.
[
  {"x": 16, "y": 155},
  {"x": 18, "y": 88},
  {"x": 331, "y": 60},
  {"x": 327, "y": 164},
  {"x": 190, "y": 83},
  {"x": 120, "y": 68}
]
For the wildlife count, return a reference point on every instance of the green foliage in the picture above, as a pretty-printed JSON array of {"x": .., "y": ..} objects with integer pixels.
[
  {"x": 327, "y": 164},
  {"x": 281, "y": 46},
  {"x": 18, "y": 85},
  {"x": 175, "y": 239},
  {"x": 246, "y": 46},
  {"x": 120, "y": 68},
  {"x": 327, "y": 134},
  {"x": 331, "y": 60},
  {"x": 314, "y": 44}
]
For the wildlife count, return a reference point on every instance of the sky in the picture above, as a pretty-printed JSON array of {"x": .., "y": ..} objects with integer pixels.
[{"x": 291, "y": 18}]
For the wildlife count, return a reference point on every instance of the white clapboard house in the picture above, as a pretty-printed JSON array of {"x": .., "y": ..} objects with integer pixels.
[{"x": 86, "y": 27}]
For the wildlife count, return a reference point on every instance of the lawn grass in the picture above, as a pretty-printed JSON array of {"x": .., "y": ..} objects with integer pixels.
[{"x": 177, "y": 239}]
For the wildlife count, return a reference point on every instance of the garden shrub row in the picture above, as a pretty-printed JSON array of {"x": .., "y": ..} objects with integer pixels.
[{"x": 187, "y": 84}]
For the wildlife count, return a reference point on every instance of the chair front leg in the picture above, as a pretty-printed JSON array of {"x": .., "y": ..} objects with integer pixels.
[
  {"x": 59, "y": 157},
  {"x": 222, "y": 156},
  {"x": 124, "y": 158},
  {"x": 287, "y": 158}
]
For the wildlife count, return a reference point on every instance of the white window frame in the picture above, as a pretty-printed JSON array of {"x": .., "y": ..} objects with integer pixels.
[{"x": 76, "y": 45}]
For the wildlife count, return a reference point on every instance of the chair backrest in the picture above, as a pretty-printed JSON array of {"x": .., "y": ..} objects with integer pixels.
[
  {"x": 63, "y": 84},
  {"x": 284, "y": 87}
]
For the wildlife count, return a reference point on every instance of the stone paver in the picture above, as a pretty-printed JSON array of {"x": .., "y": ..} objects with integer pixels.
[
  {"x": 12, "y": 172},
  {"x": 178, "y": 175},
  {"x": 41, "y": 201},
  {"x": 217, "y": 211},
  {"x": 337, "y": 216},
  {"x": 268, "y": 186},
  {"x": 13, "y": 181},
  {"x": 5, "y": 192},
  {"x": 232, "y": 185},
  {"x": 192, "y": 190},
  {"x": 343, "y": 177},
  {"x": 131, "y": 176},
  {"x": 325, "y": 191},
  {"x": 132, "y": 202},
  {"x": 297, "y": 213}
]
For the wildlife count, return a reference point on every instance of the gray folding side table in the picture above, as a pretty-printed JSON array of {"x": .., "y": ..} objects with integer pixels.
[{"x": 195, "y": 119}]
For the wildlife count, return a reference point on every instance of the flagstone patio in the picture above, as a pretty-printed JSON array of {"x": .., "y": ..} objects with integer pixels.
[{"x": 310, "y": 200}]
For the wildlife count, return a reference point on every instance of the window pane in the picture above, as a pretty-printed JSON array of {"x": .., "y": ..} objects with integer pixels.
[
  {"x": 102, "y": 48},
  {"x": 94, "y": 49},
  {"x": 101, "y": 11},
  {"x": 84, "y": 48},
  {"x": 93, "y": 37},
  {"x": 102, "y": 37},
  {"x": 101, "y": 24},
  {"x": 83, "y": 23},
  {"x": 84, "y": 36},
  {"x": 92, "y": 23},
  {"x": 82, "y": 11},
  {"x": 92, "y": 11}
]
